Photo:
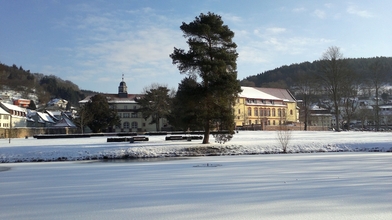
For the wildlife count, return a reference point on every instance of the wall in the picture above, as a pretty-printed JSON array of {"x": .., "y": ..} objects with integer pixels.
[{"x": 29, "y": 132}]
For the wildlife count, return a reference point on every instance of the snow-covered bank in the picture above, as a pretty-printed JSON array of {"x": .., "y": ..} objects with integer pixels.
[{"x": 243, "y": 143}]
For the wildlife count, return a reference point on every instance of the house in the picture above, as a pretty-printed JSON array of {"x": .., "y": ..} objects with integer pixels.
[
  {"x": 4, "y": 118},
  {"x": 261, "y": 107},
  {"x": 56, "y": 104},
  {"x": 128, "y": 111},
  {"x": 386, "y": 114},
  {"x": 49, "y": 119},
  {"x": 320, "y": 116},
  {"x": 17, "y": 115},
  {"x": 22, "y": 102}
]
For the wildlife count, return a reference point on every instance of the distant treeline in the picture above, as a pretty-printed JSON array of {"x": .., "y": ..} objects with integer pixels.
[{"x": 285, "y": 76}]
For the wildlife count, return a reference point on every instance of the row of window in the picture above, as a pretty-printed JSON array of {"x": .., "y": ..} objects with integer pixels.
[
  {"x": 5, "y": 117},
  {"x": 268, "y": 122},
  {"x": 128, "y": 115},
  {"x": 6, "y": 125},
  {"x": 266, "y": 112},
  {"x": 259, "y": 101},
  {"x": 126, "y": 107},
  {"x": 133, "y": 125}
]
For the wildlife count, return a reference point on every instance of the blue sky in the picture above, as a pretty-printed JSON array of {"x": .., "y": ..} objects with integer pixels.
[{"x": 92, "y": 43}]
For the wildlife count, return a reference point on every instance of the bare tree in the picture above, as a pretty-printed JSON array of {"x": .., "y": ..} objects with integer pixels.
[
  {"x": 83, "y": 117},
  {"x": 306, "y": 86},
  {"x": 365, "y": 115},
  {"x": 284, "y": 137},
  {"x": 333, "y": 74},
  {"x": 349, "y": 97},
  {"x": 377, "y": 79}
]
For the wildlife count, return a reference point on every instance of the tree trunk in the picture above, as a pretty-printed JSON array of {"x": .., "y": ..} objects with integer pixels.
[
  {"x": 157, "y": 124},
  {"x": 206, "y": 139}
]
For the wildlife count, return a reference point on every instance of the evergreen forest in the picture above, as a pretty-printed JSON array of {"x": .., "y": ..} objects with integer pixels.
[{"x": 285, "y": 76}]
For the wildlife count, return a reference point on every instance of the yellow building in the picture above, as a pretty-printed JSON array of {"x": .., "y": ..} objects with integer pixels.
[{"x": 258, "y": 108}]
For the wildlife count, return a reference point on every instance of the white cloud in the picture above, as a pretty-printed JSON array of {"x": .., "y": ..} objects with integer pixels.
[
  {"x": 276, "y": 30},
  {"x": 352, "y": 9},
  {"x": 319, "y": 13},
  {"x": 298, "y": 10},
  {"x": 231, "y": 17}
]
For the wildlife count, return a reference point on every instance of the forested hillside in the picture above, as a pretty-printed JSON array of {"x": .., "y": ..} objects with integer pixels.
[
  {"x": 285, "y": 76},
  {"x": 43, "y": 86},
  {"x": 47, "y": 87}
]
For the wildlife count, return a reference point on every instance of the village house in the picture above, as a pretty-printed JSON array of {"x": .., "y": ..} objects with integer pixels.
[{"x": 17, "y": 115}]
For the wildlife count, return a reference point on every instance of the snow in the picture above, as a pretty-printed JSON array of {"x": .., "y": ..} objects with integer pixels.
[
  {"x": 244, "y": 142},
  {"x": 354, "y": 184},
  {"x": 253, "y": 93}
]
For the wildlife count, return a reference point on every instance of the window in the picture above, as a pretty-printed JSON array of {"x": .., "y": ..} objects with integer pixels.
[
  {"x": 126, "y": 115},
  {"x": 119, "y": 115},
  {"x": 280, "y": 112},
  {"x": 256, "y": 112},
  {"x": 250, "y": 122},
  {"x": 273, "y": 112},
  {"x": 291, "y": 111},
  {"x": 249, "y": 112},
  {"x": 261, "y": 112},
  {"x": 125, "y": 107},
  {"x": 5, "y": 117},
  {"x": 273, "y": 122},
  {"x": 134, "y": 124},
  {"x": 269, "y": 112},
  {"x": 239, "y": 111},
  {"x": 134, "y": 115},
  {"x": 256, "y": 121},
  {"x": 126, "y": 125}
]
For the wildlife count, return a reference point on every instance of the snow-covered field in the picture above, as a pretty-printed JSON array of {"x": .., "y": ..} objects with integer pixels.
[
  {"x": 245, "y": 142},
  {"x": 354, "y": 184}
]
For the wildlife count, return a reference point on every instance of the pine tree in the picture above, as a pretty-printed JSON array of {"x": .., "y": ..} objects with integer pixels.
[
  {"x": 212, "y": 57},
  {"x": 102, "y": 115}
]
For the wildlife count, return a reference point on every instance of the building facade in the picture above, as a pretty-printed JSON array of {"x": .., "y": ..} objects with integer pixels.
[
  {"x": 257, "y": 108},
  {"x": 128, "y": 111}
]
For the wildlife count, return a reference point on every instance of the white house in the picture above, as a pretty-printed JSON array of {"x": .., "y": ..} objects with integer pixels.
[{"x": 17, "y": 115}]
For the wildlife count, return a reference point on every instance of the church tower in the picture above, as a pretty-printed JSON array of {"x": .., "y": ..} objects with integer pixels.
[{"x": 122, "y": 89}]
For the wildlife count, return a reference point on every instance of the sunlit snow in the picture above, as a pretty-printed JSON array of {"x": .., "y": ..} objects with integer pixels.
[{"x": 349, "y": 182}]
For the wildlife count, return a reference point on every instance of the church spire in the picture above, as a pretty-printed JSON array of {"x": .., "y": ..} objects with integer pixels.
[{"x": 122, "y": 89}]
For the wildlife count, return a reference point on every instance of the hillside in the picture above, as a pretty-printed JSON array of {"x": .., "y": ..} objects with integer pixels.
[
  {"x": 284, "y": 77},
  {"x": 47, "y": 87},
  {"x": 43, "y": 86}
]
